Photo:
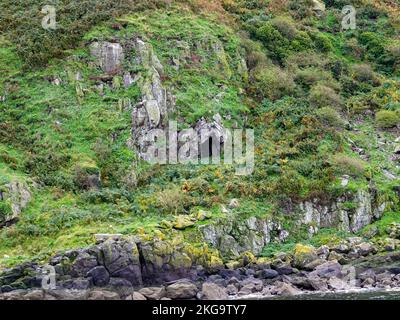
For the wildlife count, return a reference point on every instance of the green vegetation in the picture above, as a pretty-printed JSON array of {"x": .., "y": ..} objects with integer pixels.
[{"x": 314, "y": 95}]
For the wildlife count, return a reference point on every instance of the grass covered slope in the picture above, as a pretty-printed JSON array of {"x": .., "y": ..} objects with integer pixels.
[{"x": 324, "y": 103}]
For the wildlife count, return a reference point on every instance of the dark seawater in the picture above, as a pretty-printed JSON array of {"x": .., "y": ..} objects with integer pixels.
[{"x": 360, "y": 295}]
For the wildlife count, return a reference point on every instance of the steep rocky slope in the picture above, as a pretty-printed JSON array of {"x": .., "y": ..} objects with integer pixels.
[{"x": 323, "y": 103}]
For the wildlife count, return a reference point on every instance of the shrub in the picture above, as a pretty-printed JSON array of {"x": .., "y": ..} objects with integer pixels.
[
  {"x": 330, "y": 117},
  {"x": 273, "y": 82},
  {"x": 364, "y": 73},
  {"x": 344, "y": 164},
  {"x": 323, "y": 96},
  {"x": 322, "y": 42},
  {"x": 285, "y": 25},
  {"x": 310, "y": 76},
  {"x": 173, "y": 201},
  {"x": 387, "y": 119}
]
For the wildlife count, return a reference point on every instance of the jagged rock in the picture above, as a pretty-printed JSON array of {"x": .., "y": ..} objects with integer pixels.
[
  {"x": 182, "y": 290},
  {"x": 153, "y": 293},
  {"x": 211, "y": 291},
  {"x": 83, "y": 263},
  {"x": 17, "y": 194},
  {"x": 323, "y": 252},
  {"x": 335, "y": 214},
  {"x": 99, "y": 275},
  {"x": 211, "y": 136},
  {"x": 122, "y": 260},
  {"x": 109, "y": 56},
  {"x": 232, "y": 236}
]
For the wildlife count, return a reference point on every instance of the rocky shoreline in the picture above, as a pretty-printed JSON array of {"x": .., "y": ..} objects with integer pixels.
[{"x": 130, "y": 269}]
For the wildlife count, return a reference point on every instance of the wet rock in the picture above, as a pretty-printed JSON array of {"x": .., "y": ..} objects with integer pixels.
[
  {"x": 211, "y": 291},
  {"x": 153, "y": 293},
  {"x": 182, "y": 290}
]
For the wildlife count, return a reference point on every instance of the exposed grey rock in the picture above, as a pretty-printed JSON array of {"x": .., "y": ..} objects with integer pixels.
[
  {"x": 83, "y": 263},
  {"x": 122, "y": 260},
  {"x": 109, "y": 56},
  {"x": 153, "y": 293},
  {"x": 182, "y": 290},
  {"x": 136, "y": 296},
  {"x": 211, "y": 291},
  {"x": 338, "y": 284},
  {"x": 365, "y": 249},
  {"x": 18, "y": 194},
  {"x": 327, "y": 270},
  {"x": 269, "y": 274},
  {"x": 103, "y": 295},
  {"x": 285, "y": 289},
  {"x": 99, "y": 275}
]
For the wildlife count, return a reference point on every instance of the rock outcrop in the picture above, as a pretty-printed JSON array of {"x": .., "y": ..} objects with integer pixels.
[
  {"x": 14, "y": 196},
  {"x": 364, "y": 210}
]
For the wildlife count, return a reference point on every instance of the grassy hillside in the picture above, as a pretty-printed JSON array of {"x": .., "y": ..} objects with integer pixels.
[{"x": 314, "y": 94}]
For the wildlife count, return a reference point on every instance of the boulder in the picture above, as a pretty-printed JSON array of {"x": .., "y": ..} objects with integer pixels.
[
  {"x": 83, "y": 263},
  {"x": 136, "y": 296},
  {"x": 103, "y": 295},
  {"x": 327, "y": 270},
  {"x": 211, "y": 291},
  {"x": 304, "y": 255},
  {"x": 338, "y": 284},
  {"x": 364, "y": 249},
  {"x": 182, "y": 290},
  {"x": 153, "y": 293},
  {"x": 285, "y": 289},
  {"x": 269, "y": 274},
  {"x": 99, "y": 275}
]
